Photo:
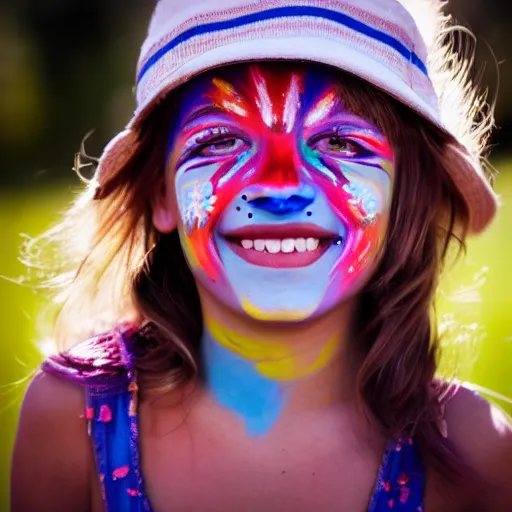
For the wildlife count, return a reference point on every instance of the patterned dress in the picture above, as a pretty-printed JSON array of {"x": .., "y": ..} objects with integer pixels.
[{"x": 104, "y": 366}]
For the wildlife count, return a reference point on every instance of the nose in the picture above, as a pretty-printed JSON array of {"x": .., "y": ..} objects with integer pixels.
[
  {"x": 282, "y": 205},
  {"x": 280, "y": 201}
]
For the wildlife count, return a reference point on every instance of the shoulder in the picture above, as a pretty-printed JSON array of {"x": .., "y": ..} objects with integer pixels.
[
  {"x": 52, "y": 455},
  {"x": 101, "y": 360},
  {"x": 482, "y": 434}
]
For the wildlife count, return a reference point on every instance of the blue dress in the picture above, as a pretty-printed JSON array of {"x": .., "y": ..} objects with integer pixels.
[{"x": 104, "y": 367}]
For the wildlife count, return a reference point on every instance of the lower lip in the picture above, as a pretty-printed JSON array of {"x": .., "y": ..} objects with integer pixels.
[{"x": 281, "y": 259}]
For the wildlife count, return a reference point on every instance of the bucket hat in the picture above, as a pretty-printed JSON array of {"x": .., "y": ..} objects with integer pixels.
[{"x": 376, "y": 40}]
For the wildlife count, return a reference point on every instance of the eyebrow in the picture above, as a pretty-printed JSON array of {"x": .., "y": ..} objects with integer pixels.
[{"x": 203, "y": 111}]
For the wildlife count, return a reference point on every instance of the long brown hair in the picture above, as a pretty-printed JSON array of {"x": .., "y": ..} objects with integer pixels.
[
  {"x": 127, "y": 257},
  {"x": 115, "y": 265},
  {"x": 396, "y": 321}
]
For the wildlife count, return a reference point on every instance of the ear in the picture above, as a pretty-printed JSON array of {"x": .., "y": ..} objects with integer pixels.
[{"x": 164, "y": 208}]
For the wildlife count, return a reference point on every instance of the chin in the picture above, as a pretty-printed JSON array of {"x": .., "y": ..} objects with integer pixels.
[
  {"x": 334, "y": 298},
  {"x": 277, "y": 315}
]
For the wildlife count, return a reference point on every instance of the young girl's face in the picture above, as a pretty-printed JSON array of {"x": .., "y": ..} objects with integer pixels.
[{"x": 283, "y": 195}]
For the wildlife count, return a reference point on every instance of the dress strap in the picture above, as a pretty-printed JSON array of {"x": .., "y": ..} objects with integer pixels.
[
  {"x": 114, "y": 430},
  {"x": 400, "y": 485}
]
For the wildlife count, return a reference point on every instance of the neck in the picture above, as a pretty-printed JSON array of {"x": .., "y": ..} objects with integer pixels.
[{"x": 264, "y": 372}]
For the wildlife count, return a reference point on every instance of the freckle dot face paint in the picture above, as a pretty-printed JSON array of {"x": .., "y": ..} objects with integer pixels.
[{"x": 284, "y": 195}]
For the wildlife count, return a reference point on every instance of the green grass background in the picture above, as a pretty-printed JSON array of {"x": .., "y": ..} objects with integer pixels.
[{"x": 478, "y": 350}]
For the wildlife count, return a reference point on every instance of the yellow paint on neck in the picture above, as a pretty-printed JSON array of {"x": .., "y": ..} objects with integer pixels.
[{"x": 273, "y": 360}]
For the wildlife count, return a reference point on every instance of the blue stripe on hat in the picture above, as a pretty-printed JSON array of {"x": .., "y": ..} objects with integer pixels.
[{"x": 284, "y": 12}]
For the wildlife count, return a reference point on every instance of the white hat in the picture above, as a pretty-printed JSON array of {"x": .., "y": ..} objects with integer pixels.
[{"x": 376, "y": 40}]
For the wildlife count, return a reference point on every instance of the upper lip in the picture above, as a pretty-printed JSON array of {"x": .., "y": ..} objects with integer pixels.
[{"x": 279, "y": 232}]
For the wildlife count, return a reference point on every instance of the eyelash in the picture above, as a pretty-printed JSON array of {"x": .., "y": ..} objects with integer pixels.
[
  {"x": 360, "y": 151},
  {"x": 218, "y": 135},
  {"x": 210, "y": 137},
  {"x": 217, "y": 141}
]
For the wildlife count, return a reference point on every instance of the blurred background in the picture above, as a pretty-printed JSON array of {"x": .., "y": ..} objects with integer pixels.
[{"x": 67, "y": 66}]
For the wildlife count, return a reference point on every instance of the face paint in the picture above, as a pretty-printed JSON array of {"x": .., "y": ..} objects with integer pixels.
[
  {"x": 253, "y": 379},
  {"x": 283, "y": 194}
]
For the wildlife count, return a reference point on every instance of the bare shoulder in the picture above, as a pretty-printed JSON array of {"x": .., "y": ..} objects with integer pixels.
[
  {"x": 50, "y": 393},
  {"x": 52, "y": 457},
  {"x": 482, "y": 433}
]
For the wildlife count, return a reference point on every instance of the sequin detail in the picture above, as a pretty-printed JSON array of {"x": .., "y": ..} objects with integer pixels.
[
  {"x": 198, "y": 205},
  {"x": 120, "y": 472},
  {"x": 105, "y": 413}
]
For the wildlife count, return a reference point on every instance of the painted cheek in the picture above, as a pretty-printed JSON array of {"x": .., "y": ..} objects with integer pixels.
[
  {"x": 361, "y": 238},
  {"x": 202, "y": 198},
  {"x": 189, "y": 250},
  {"x": 358, "y": 192},
  {"x": 196, "y": 203},
  {"x": 360, "y": 202},
  {"x": 369, "y": 193},
  {"x": 366, "y": 203}
]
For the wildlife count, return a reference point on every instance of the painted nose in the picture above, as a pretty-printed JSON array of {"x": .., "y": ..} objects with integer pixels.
[{"x": 282, "y": 205}]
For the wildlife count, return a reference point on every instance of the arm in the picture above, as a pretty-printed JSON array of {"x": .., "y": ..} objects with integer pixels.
[
  {"x": 52, "y": 459},
  {"x": 482, "y": 433}
]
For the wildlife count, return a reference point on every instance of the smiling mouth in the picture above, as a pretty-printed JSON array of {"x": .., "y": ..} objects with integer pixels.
[{"x": 281, "y": 246}]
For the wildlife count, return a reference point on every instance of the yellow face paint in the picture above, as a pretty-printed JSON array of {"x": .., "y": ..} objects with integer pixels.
[
  {"x": 322, "y": 108},
  {"x": 272, "y": 360},
  {"x": 226, "y": 96},
  {"x": 188, "y": 249},
  {"x": 275, "y": 315}
]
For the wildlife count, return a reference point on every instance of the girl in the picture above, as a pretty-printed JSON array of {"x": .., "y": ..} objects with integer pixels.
[{"x": 264, "y": 242}]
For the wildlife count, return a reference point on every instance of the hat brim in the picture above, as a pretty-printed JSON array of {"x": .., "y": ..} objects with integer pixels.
[{"x": 468, "y": 176}]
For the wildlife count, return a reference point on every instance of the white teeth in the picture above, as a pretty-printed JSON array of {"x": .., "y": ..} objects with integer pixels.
[
  {"x": 312, "y": 244},
  {"x": 300, "y": 245},
  {"x": 287, "y": 245},
  {"x": 273, "y": 246},
  {"x": 259, "y": 245}
]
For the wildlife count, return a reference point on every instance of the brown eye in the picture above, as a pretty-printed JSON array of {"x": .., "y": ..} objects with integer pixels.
[
  {"x": 340, "y": 146},
  {"x": 220, "y": 147}
]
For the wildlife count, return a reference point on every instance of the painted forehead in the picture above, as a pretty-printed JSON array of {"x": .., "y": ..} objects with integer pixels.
[{"x": 277, "y": 93}]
